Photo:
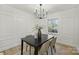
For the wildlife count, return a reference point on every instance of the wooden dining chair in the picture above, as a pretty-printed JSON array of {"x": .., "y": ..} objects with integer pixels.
[
  {"x": 52, "y": 44},
  {"x": 28, "y": 47},
  {"x": 44, "y": 49}
]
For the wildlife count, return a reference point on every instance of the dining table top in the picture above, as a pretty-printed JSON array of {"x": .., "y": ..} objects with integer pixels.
[{"x": 31, "y": 40}]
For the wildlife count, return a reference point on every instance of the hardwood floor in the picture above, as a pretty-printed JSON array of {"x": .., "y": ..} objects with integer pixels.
[{"x": 61, "y": 49}]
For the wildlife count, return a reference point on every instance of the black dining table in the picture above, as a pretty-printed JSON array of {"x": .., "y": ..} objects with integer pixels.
[{"x": 32, "y": 41}]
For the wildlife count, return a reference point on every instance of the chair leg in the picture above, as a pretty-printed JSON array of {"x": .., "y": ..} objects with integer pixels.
[
  {"x": 54, "y": 49},
  {"x": 26, "y": 47},
  {"x": 51, "y": 51},
  {"x": 47, "y": 52}
]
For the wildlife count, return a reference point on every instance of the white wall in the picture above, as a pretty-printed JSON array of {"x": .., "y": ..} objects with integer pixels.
[
  {"x": 68, "y": 26},
  {"x": 14, "y": 24}
]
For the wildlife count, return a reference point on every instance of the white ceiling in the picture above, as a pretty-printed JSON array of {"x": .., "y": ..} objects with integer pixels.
[{"x": 51, "y": 8}]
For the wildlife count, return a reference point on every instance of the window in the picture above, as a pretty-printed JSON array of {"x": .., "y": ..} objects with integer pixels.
[{"x": 53, "y": 25}]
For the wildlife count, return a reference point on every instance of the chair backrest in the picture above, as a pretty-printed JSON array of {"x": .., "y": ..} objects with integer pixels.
[
  {"x": 45, "y": 47},
  {"x": 53, "y": 41}
]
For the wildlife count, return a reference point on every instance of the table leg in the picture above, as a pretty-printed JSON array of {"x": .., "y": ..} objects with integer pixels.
[
  {"x": 21, "y": 47},
  {"x": 36, "y": 51}
]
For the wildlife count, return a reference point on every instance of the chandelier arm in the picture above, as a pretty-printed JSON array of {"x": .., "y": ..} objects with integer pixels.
[{"x": 41, "y": 13}]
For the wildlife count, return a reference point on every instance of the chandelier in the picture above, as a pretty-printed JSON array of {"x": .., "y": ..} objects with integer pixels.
[{"x": 40, "y": 13}]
